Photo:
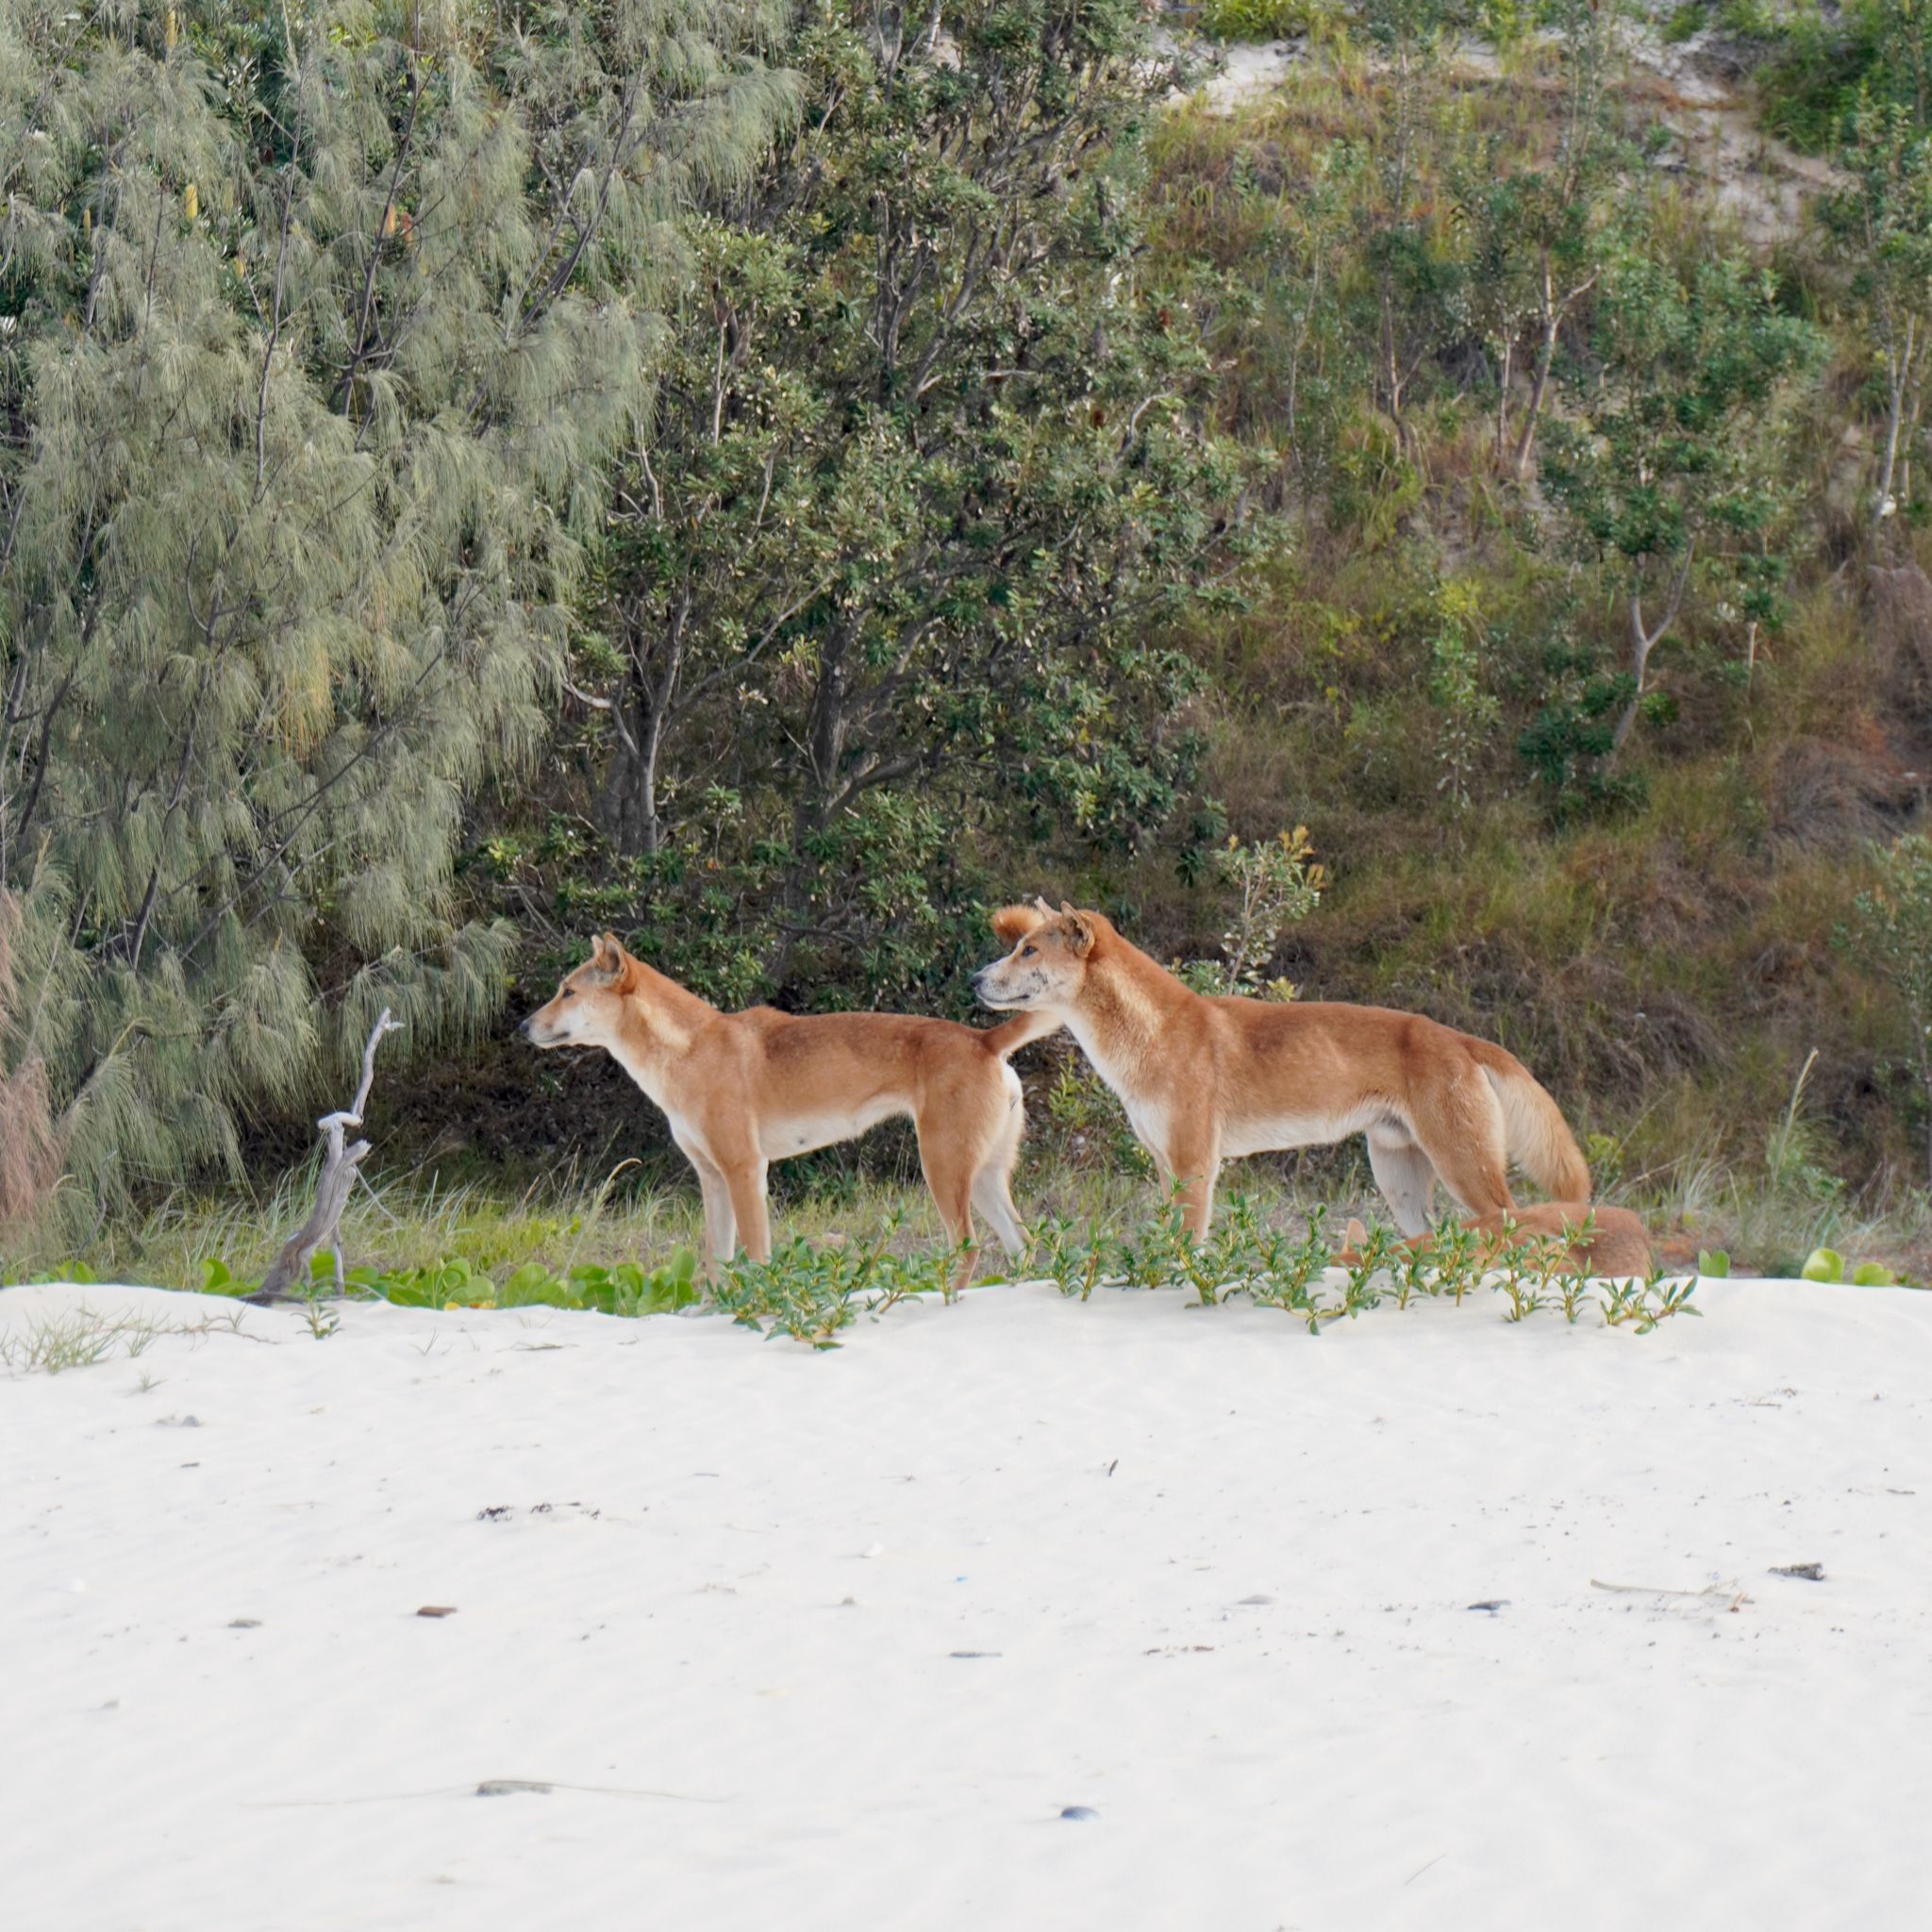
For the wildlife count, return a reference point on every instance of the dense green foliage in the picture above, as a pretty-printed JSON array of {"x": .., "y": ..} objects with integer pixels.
[
  {"x": 924, "y": 481},
  {"x": 1660, "y": 469},
  {"x": 775, "y": 478},
  {"x": 320, "y": 327},
  {"x": 1657, "y": 691}
]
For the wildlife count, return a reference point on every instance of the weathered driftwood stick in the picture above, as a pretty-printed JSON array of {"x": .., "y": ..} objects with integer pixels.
[{"x": 338, "y": 1165}]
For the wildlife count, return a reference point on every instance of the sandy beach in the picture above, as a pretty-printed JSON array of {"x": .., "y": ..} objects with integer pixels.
[{"x": 1019, "y": 1612}]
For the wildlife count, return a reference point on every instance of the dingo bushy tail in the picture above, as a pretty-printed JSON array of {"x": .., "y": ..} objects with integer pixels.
[{"x": 1538, "y": 1137}]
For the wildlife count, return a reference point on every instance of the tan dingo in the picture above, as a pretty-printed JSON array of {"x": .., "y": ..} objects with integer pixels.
[
  {"x": 1205, "y": 1078},
  {"x": 743, "y": 1090},
  {"x": 1617, "y": 1242}
]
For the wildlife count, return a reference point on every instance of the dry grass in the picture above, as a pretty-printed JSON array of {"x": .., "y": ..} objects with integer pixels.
[{"x": 83, "y": 1337}]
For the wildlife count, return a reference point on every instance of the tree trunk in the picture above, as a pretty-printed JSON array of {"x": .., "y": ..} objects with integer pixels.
[
  {"x": 627, "y": 809},
  {"x": 1502, "y": 395},
  {"x": 1392, "y": 368},
  {"x": 1894, "y": 419},
  {"x": 1553, "y": 313},
  {"x": 627, "y": 805},
  {"x": 1546, "y": 357},
  {"x": 1643, "y": 642}
]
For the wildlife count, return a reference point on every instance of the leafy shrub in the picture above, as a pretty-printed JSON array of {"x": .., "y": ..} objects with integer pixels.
[
  {"x": 1274, "y": 884},
  {"x": 1267, "y": 20},
  {"x": 1298, "y": 1276},
  {"x": 1684, "y": 21},
  {"x": 806, "y": 1291},
  {"x": 1818, "y": 66},
  {"x": 626, "y": 1289},
  {"x": 1457, "y": 689},
  {"x": 812, "y": 1293}
]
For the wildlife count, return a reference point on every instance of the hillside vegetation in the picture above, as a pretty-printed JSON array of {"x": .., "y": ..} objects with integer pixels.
[{"x": 775, "y": 480}]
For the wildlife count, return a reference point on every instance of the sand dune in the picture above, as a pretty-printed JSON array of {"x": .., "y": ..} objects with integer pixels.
[{"x": 836, "y": 1641}]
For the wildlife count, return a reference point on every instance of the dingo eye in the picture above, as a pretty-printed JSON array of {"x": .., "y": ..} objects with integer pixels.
[
  {"x": 570, "y": 992},
  {"x": 1027, "y": 952}
]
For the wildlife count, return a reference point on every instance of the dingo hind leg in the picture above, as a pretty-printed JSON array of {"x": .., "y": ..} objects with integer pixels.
[
  {"x": 946, "y": 1159},
  {"x": 990, "y": 1196},
  {"x": 991, "y": 1191},
  {"x": 1459, "y": 1129}
]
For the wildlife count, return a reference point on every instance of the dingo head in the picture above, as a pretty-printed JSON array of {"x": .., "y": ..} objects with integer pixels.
[
  {"x": 1047, "y": 966},
  {"x": 590, "y": 1001}
]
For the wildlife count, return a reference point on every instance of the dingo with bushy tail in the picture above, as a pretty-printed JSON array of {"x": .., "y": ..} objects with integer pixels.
[{"x": 1204, "y": 1078}]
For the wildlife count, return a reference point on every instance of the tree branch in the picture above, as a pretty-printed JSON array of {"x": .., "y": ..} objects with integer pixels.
[{"x": 332, "y": 1190}]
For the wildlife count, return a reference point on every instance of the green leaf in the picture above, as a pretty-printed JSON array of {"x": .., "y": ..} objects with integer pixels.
[
  {"x": 666, "y": 1292},
  {"x": 534, "y": 1286},
  {"x": 1713, "y": 1264},
  {"x": 1825, "y": 1264},
  {"x": 1873, "y": 1274}
]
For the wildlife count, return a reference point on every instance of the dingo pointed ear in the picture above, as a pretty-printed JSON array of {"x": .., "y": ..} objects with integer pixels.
[
  {"x": 1011, "y": 924},
  {"x": 607, "y": 961},
  {"x": 1357, "y": 1235},
  {"x": 1079, "y": 930}
]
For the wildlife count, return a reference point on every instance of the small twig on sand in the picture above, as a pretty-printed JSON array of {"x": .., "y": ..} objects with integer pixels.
[
  {"x": 338, "y": 1165},
  {"x": 1725, "y": 1596}
]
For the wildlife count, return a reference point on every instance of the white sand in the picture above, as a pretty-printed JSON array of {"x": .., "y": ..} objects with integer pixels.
[{"x": 831, "y": 1641}]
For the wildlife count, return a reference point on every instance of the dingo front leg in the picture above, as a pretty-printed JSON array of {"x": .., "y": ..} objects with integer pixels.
[
  {"x": 746, "y": 1181},
  {"x": 1188, "y": 1163},
  {"x": 721, "y": 1225},
  {"x": 1405, "y": 1176}
]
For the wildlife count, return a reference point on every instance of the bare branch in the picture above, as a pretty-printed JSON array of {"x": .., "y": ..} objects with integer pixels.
[{"x": 339, "y": 1166}]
